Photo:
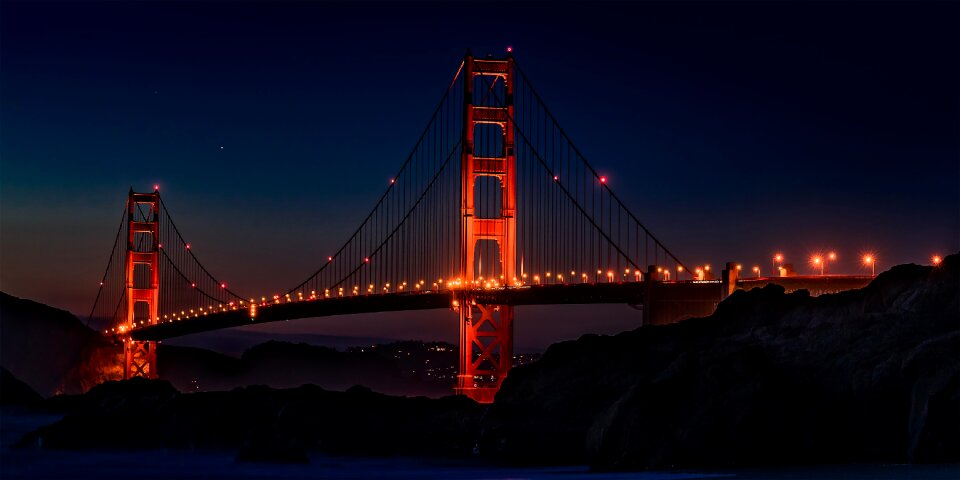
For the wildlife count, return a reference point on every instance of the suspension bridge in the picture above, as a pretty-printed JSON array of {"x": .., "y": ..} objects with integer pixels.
[{"x": 493, "y": 207}]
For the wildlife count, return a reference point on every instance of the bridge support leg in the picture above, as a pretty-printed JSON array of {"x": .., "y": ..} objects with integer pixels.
[
  {"x": 730, "y": 277},
  {"x": 648, "y": 280},
  {"x": 486, "y": 348},
  {"x": 140, "y": 359}
]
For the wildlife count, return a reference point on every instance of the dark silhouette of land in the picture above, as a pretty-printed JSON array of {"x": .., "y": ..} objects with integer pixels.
[{"x": 870, "y": 375}]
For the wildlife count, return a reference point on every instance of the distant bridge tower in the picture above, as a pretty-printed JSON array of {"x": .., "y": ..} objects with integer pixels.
[
  {"x": 143, "y": 290},
  {"x": 486, "y": 331}
]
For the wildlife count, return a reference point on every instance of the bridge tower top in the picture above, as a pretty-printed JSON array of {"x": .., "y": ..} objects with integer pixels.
[{"x": 498, "y": 162}]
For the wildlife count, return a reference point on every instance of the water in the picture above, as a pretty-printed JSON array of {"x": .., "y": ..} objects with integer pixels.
[
  {"x": 37, "y": 464},
  {"x": 221, "y": 465},
  {"x": 213, "y": 465}
]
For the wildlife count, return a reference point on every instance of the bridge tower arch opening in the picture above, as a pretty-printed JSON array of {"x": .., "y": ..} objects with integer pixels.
[
  {"x": 486, "y": 330},
  {"x": 142, "y": 281}
]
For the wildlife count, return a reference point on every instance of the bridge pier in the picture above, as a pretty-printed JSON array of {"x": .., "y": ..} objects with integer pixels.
[
  {"x": 729, "y": 278},
  {"x": 140, "y": 359},
  {"x": 486, "y": 347},
  {"x": 647, "y": 318}
]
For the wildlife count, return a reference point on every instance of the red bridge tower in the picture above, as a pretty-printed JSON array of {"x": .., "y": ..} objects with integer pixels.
[
  {"x": 143, "y": 292},
  {"x": 486, "y": 331}
]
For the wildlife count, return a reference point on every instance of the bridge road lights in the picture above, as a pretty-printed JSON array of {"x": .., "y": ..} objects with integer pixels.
[
  {"x": 756, "y": 270},
  {"x": 679, "y": 271},
  {"x": 872, "y": 262},
  {"x": 777, "y": 261},
  {"x": 936, "y": 260}
]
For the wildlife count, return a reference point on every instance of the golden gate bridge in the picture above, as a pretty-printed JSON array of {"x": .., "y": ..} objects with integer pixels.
[{"x": 494, "y": 207}]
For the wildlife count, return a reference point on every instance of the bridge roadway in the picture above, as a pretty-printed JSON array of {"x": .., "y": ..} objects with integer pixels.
[
  {"x": 664, "y": 302},
  {"x": 585, "y": 293}
]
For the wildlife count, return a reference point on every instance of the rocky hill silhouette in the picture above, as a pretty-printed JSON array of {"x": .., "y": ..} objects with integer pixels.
[{"x": 870, "y": 375}]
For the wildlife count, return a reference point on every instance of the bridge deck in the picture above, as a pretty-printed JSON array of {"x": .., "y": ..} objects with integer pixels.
[
  {"x": 671, "y": 301},
  {"x": 628, "y": 293}
]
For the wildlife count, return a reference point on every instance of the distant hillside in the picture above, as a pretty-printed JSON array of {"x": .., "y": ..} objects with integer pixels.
[
  {"x": 286, "y": 365},
  {"x": 235, "y": 341}
]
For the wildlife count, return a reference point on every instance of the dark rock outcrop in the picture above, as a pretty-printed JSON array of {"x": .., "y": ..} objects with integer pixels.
[
  {"x": 13, "y": 392},
  {"x": 47, "y": 348},
  {"x": 355, "y": 422},
  {"x": 871, "y": 375}
]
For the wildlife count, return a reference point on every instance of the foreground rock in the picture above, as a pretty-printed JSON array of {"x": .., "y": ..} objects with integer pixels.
[
  {"x": 871, "y": 375},
  {"x": 14, "y": 393},
  {"x": 355, "y": 422}
]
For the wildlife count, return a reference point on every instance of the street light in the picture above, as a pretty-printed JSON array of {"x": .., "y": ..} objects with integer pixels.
[
  {"x": 756, "y": 270},
  {"x": 936, "y": 260},
  {"x": 870, "y": 260},
  {"x": 817, "y": 261},
  {"x": 777, "y": 258},
  {"x": 832, "y": 256}
]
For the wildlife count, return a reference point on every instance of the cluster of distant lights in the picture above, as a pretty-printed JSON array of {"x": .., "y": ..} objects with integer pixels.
[{"x": 819, "y": 261}]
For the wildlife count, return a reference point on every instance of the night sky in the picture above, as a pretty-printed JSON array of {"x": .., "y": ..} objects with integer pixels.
[{"x": 732, "y": 130}]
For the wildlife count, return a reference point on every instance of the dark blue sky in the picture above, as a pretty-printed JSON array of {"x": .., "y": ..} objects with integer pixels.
[{"x": 731, "y": 130}]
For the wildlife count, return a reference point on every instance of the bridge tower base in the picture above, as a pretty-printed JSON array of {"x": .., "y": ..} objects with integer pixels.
[
  {"x": 486, "y": 348},
  {"x": 139, "y": 359}
]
